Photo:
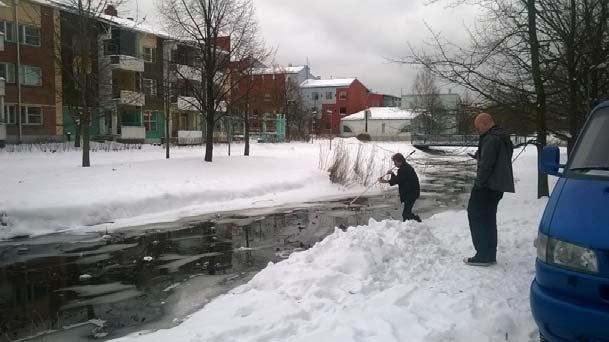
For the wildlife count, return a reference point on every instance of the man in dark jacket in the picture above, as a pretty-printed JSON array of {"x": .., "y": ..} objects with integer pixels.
[
  {"x": 408, "y": 184},
  {"x": 494, "y": 177}
]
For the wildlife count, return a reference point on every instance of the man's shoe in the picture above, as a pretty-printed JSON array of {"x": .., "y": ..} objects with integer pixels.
[
  {"x": 417, "y": 218},
  {"x": 478, "y": 262}
]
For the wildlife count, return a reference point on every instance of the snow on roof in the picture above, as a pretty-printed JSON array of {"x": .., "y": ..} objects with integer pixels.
[
  {"x": 3, "y": 4},
  {"x": 135, "y": 25},
  {"x": 335, "y": 82},
  {"x": 122, "y": 22},
  {"x": 382, "y": 113},
  {"x": 278, "y": 70}
]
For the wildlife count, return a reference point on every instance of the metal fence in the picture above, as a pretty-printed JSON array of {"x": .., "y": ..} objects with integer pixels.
[{"x": 427, "y": 140}]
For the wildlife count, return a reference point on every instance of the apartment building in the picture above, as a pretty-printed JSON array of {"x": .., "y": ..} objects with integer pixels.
[
  {"x": 332, "y": 99},
  {"x": 31, "y": 95}
]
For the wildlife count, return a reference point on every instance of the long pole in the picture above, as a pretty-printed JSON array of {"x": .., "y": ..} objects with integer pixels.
[{"x": 18, "y": 72}]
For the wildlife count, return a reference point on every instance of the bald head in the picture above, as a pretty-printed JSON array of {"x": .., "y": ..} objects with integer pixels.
[{"x": 484, "y": 122}]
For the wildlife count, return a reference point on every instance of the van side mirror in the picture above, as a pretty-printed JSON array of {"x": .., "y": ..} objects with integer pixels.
[{"x": 549, "y": 163}]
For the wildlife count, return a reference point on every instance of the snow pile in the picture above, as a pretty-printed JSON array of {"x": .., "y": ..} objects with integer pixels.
[{"x": 387, "y": 281}]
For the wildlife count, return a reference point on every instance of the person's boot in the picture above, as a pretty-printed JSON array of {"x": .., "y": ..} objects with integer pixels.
[{"x": 476, "y": 261}]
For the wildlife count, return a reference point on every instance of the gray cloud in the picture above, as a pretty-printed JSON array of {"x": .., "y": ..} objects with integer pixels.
[{"x": 349, "y": 38}]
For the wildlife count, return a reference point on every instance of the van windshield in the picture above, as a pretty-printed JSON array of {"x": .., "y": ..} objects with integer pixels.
[{"x": 592, "y": 155}]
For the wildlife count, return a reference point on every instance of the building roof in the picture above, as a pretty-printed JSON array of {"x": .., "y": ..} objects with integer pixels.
[
  {"x": 136, "y": 26},
  {"x": 382, "y": 113},
  {"x": 335, "y": 82},
  {"x": 139, "y": 26},
  {"x": 279, "y": 70}
]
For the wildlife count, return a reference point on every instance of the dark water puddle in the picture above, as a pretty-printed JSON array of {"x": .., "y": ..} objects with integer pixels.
[{"x": 103, "y": 286}]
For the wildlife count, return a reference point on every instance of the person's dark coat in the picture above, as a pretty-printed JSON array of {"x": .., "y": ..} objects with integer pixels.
[
  {"x": 407, "y": 181},
  {"x": 495, "y": 150}
]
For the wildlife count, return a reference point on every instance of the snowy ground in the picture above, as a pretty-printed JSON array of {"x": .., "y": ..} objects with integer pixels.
[
  {"x": 387, "y": 281},
  {"x": 48, "y": 192}
]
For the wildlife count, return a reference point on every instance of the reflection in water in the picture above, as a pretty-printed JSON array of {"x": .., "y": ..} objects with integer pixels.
[{"x": 110, "y": 284}]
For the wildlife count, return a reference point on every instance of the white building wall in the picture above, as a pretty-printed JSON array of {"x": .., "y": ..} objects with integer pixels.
[{"x": 378, "y": 129}]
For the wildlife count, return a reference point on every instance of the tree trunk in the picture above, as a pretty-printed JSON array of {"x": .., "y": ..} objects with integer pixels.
[
  {"x": 209, "y": 138},
  {"x": 85, "y": 140},
  {"x": 246, "y": 135},
  {"x": 77, "y": 131},
  {"x": 542, "y": 179},
  {"x": 167, "y": 120},
  {"x": 573, "y": 79}
]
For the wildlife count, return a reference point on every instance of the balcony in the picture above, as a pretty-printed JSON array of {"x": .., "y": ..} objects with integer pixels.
[
  {"x": 187, "y": 72},
  {"x": 130, "y": 98},
  {"x": 2, "y": 133},
  {"x": 133, "y": 133},
  {"x": 188, "y": 103},
  {"x": 123, "y": 62}
]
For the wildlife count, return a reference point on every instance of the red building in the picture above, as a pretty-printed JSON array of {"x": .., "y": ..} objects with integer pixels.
[
  {"x": 336, "y": 98},
  {"x": 267, "y": 91},
  {"x": 375, "y": 100}
]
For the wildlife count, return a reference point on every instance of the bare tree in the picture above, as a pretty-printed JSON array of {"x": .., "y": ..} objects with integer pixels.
[
  {"x": 502, "y": 64},
  {"x": 426, "y": 100},
  {"x": 221, "y": 32},
  {"x": 77, "y": 33},
  {"x": 296, "y": 114}
]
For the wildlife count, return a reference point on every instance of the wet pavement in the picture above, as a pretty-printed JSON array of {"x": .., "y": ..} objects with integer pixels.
[{"x": 64, "y": 287}]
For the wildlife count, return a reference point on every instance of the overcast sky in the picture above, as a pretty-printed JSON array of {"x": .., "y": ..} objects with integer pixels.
[{"x": 347, "y": 38}]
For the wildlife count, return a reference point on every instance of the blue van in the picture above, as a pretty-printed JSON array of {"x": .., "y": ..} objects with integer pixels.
[{"x": 570, "y": 292}]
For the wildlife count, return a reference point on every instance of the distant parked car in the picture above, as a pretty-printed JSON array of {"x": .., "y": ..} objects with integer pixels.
[{"x": 570, "y": 292}]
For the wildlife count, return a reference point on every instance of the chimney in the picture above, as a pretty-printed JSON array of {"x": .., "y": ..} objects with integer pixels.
[
  {"x": 223, "y": 43},
  {"x": 111, "y": 11}
]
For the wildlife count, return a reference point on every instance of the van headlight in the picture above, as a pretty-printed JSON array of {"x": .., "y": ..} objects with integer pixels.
[{"x": 566, "y": 254}]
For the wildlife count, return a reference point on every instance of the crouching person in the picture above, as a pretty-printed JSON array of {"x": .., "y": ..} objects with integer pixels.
[{"x": 408, "y": 184}]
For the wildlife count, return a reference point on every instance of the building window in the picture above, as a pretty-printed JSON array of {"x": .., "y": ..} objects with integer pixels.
[
  {"x": 383, "y": 128},
  {"x": 31, "y": 115},
  {"x": 7, "y": 71},
  {"x": 343, "y": 111},
  {"x": 328, "y": 124},
  {"x": 8, "y": 28},
  {"x": 10, "y": 112},
  {"x": 150, "y": 55},
  {"x": 150, "y": 122},
  {"x": 30, "y": 75},
  {"x": 267, "y": 97},
  {"x": 150, "y": 87},
  {"x": 347, "y": 129},
  {"x": 328, "y": 95},
  {"x": 29, "y": 35},
  {"x": 342, "y": 95},
  {"x": 315, "y": 95}
]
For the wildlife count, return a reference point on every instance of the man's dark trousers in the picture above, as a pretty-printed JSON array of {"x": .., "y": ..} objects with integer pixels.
[
  {"x": 482, "y": 214},
  {"x": 408, "y": 204}
]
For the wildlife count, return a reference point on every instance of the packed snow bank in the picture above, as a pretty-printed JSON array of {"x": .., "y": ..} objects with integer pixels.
[{"x": 387, "y": 281}]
